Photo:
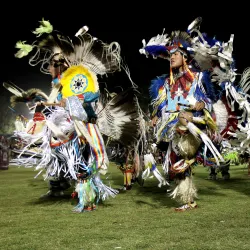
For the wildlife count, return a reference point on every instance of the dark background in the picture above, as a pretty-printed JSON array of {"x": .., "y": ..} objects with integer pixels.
[{"x": 120, "y": 22}]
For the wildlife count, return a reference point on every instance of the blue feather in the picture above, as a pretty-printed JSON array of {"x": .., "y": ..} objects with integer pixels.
[
  {"x": 169, "y": 125},
  {"x": 156, "y": 50},
  {"x": 200, "y": 96},
  {"x": 209, "y": 40},
  {"x": 156, "y": 84},
  {"x": 213, "y": 92},
  {"x": 183, "y": 42}
]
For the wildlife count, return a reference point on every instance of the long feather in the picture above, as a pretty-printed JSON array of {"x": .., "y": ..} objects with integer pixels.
[
  {"x": 118, "y": 118},
  {"x": 13, "y": 89},
  {"x": 31, "y": 95},
  {"x": 245, "y": 80}
]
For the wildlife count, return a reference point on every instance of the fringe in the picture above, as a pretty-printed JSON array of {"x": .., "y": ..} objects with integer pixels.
[{"x": 185, "y": 191}]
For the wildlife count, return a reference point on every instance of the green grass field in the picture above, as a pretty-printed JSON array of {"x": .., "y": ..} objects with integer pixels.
[{"x": 141, "y": 218}]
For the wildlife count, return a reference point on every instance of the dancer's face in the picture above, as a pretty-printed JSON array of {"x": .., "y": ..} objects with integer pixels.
[
  {"x": 54, "y": 71},
  {"x": 176, "y": 60}
]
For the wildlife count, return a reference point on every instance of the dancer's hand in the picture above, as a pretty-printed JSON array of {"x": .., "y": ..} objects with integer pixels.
[
  {"x": 198, "y": 106},
  {"x": 185, "y": 117},
  {"x": 39, "y": 103},
  {"x": 63, "y": 103}
]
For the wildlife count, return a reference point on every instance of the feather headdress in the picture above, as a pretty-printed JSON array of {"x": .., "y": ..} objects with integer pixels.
[
  {"x": 204, "y": 53},
  {"x": 30, "y": 96},
  {"x": 83, "y": 49},
  {"x": 179, "y": 40}
]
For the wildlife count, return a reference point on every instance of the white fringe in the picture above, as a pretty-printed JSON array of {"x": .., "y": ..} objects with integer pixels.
[
  {"x": 245, "y": 80},
  {"x": 104, "y": 190},
  {"x": 198, "y": 133},
  {"x": 185, "y": 190},
  {"x": 221, "y": 115}
]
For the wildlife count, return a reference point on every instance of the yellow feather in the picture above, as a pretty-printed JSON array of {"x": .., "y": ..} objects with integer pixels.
[
  {"x": 45, "y": 27},
  {"x": 78, "y": 74},
  {"x": 24, "y": 49}
]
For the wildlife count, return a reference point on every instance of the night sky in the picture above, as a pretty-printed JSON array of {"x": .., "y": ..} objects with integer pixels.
[{"x": 127, "y": 28}]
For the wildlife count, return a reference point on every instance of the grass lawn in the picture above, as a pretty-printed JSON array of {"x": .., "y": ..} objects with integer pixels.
[{"x": 141, "y": 218}]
